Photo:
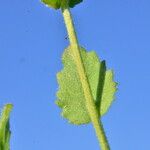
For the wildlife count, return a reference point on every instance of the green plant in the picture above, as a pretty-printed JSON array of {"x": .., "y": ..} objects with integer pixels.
[
  {"x": 86, "y": 88},
  {"x": 4, "y": 127}
]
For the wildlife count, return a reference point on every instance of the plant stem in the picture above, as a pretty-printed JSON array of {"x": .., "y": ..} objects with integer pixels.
[{"x": 90, "y": 104}]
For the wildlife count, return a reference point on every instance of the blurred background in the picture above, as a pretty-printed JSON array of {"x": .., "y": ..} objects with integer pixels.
[{"x": 32, "y": 39}]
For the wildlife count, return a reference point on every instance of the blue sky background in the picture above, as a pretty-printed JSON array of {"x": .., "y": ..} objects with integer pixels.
[{"x": 32, "y": 39}]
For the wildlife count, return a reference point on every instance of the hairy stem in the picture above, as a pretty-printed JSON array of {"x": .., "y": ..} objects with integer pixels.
[{"x": 90, "y": 104}]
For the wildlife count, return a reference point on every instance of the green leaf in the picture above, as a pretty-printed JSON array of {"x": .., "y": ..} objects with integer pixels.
[
  {"x": 4, "y": 127},
  {"x": 52, "y": 3},
  {"x": 70, "y": 95},
  {"x": 56, "y": 4},
  {"x": 72, "y": 3},
  {"x": 109, "y": 88}
]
